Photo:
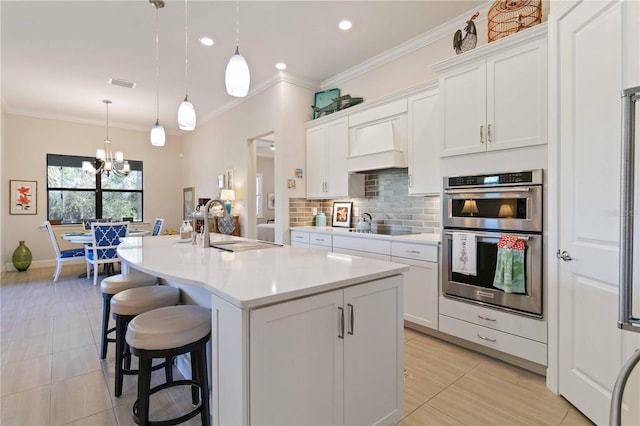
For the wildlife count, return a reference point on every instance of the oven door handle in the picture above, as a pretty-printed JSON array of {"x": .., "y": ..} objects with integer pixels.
[
  {"x": 486, "y": 190},
  {"x": 483, "y": 234}
]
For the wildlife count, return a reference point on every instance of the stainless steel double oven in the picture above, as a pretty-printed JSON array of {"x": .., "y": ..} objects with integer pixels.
[{"x": 489, "y": 207}]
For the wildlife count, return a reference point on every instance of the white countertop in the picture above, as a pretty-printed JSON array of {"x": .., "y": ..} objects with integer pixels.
[
  {"x": 249, "y": 279},
  {"x": 431, "y": 239}
]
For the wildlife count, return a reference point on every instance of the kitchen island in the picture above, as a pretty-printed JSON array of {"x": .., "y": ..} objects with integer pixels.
[{"x": 299, "y": 336}]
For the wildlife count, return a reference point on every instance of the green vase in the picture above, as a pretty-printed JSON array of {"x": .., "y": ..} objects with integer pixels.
[{"x": 21, "y": 257}]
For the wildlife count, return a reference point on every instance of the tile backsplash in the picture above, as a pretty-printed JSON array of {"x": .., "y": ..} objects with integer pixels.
[{"x": 386, "y": 199}]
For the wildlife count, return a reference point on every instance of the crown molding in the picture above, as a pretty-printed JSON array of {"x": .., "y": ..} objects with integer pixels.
[{"x": 446, "y": 29}]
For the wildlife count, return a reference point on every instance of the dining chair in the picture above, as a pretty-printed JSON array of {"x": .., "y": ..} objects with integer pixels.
[
  {"x": 105, "y": 240},
  {"x": 86, "y": 223},
  {"x": 63, "y": 256},
  {"x": 157, "y": 227}
]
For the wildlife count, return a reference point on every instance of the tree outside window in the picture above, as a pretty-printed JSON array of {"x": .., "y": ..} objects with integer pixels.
[{"x": 73, "y": 195}]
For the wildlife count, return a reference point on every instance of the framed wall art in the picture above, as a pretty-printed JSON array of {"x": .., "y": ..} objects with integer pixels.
[
  {"x": 271, "y": 200},
  {"x": 342, "y": 214},
  {"x": 322, "y": 102},
  {"x": 188, "y": 202},
  {"x": 23, "y": 197},
  {"x": 221, "y": 181},
  {"x": 229, "y": 174}
]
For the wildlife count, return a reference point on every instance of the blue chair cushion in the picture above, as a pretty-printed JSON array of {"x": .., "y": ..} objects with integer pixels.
[{"x": 72, "y": 253}]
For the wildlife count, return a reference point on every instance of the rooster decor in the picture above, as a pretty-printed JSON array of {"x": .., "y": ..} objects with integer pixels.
[{"x": 468, "y": 42}]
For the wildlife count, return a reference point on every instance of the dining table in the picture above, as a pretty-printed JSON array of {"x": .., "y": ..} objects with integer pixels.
[{"x": 83, "y": 237}]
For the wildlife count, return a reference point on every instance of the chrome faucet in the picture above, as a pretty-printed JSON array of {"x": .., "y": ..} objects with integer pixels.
[{"x": 205, "y": 222}]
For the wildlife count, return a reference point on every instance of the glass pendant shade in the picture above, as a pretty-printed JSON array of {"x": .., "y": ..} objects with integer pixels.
[
  {"x": 157, "y": 135},
  {"x": 186, "y": 115},
  {"x": 237, "y": 77}
]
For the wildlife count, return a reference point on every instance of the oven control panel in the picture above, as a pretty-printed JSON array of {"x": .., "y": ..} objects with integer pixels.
[{"x": 531, "y": 177}]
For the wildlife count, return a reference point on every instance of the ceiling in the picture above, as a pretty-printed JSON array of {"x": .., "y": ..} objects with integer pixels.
[{"x": 58, "y": 56}]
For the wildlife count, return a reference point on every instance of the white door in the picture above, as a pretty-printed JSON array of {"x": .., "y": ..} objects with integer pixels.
[
  {"x": 464, "y": 109},
  {"x": 517, "y": 97},
  {"x": 424, "y": 133},
  {"x": 296, "y": 362},
  {"x": 373, "y": 353},
  {"x": 337, "y": 152},
  {"x": 591, "y": 58},
  {"x": 316, "y": 161}
]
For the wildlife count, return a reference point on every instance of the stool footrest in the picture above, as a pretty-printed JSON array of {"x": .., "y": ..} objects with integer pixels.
[
  {"x": 177, "y": 420},
  {"x": 131, "y": 371}
]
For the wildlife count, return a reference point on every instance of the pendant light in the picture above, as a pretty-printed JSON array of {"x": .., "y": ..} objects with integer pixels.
[
  {"x": 157, "y": 135},
  {"x": 186, "y": 112},
  {"x": 237, "y": 77}
]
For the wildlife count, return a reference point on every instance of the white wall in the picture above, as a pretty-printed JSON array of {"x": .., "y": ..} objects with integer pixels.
[
  {"x": 27, "y": 141},
  {"x": 224, "y": 142}
]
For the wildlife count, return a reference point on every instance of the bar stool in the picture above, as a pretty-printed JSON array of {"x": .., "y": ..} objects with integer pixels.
[
  {"x": 169, "y": 332},
  {"x": 125, "y": 306},
  {"x": 112, "y": 285}
]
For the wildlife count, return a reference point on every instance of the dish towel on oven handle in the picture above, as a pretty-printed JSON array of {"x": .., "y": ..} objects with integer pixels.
[
  {"x": 509, "y": 275},
  {"x": 463, "y": 253}
]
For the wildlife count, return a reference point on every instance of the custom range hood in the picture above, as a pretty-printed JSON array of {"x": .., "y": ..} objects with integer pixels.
[{"x": 378, "y": 138}]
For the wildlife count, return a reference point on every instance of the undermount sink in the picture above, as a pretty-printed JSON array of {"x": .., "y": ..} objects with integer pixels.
[{"x": 243, "y": 245}]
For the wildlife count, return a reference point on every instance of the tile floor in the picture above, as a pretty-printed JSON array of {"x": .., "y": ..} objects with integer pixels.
[{"x": 51, "y": 374}]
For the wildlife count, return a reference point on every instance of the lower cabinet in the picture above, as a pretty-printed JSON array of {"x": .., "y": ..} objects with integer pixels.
[
  {"x": 421, "y": 289},
  {"x": 513, "y": 334},
  {"x": 345, "y": 366}
]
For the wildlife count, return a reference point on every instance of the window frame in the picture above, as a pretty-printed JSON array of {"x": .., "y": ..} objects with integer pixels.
[{"x": 64, "y": 160}]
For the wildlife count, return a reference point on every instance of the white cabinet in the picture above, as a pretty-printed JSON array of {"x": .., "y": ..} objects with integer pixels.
[
  {"x": 421, "y": 290},
  {"x": 365, "y": 247},
  {"x": 300, "y": 239},
  {"x": 513, "y": 334},
  {"x": 424, "y": 136},
  {"x": 346, "y": 344},
  {"x": 495, "y": 97},
  {"x": 327, "y": 176},
  {"x": 320, "y": 241}
]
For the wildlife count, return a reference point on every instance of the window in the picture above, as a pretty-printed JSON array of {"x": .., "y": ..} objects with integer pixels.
[
  {"x": 73, "y": 195},
  {"x": 259, "y": 195}
]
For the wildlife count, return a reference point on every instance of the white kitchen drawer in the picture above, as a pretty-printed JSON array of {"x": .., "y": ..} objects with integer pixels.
[
  {"x": 319, "y": 247},
  {"x": 503, "y": 342},
  {"x": 319, "y": 239},
  {"x": 504, "y": 321},
  {"x": 368, "y": 255},
  {"x": 362, "y": 244},
  {"x": 414, "y": 251},
  {"x": 300, "y": 237}
]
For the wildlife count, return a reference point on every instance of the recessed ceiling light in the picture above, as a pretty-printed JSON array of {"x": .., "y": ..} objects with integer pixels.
[
  {"x": 345, "y": 25},
  {"x": 281, "y": 66},
  {"x": 206, "y": 41}
]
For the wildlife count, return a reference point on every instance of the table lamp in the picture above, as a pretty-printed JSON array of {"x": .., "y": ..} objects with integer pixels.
[{"x": 228, "y": 195}]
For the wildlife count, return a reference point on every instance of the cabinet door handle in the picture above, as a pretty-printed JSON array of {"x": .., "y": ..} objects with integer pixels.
[
  {"x": 341, "y": 334},
  {"x": 351, "y": 319},
  {"x": 481, "y": 132},
  {"x": 486, "y": 338},
  {"x": 488, "y": 132},
  {"x": 410, "y": 181},
  {"x": 486, "y": 318}
]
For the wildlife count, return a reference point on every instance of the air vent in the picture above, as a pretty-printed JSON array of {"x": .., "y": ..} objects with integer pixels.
[{"x": 122, "y": 83}]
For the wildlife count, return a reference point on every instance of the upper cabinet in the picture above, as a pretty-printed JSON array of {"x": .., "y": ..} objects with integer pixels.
[
  {"x": 327, "y": 176},
  {"x": 424, "y": 133},
  {"x": 495, "y": 97}
]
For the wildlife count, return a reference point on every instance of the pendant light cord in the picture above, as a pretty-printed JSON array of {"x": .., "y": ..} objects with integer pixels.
[
  {"x": 237, "y": 24},
  {"x": 107, "y": 103},
  {"x": 157, "y": 71},
  {"x": 186, "y": 50}
]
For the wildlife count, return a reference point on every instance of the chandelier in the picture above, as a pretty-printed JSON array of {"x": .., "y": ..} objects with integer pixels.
[{"x": 106, "y": 162}]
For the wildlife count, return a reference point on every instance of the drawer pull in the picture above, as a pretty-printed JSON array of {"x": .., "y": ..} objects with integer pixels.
[
  {"x": 486, "y": 318},
  {"x": 413, "y": 251},
  {"x": 299, "y": 237},
  {"x": 319, "y": 239},
  {"x": 486, "y": 338}
]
